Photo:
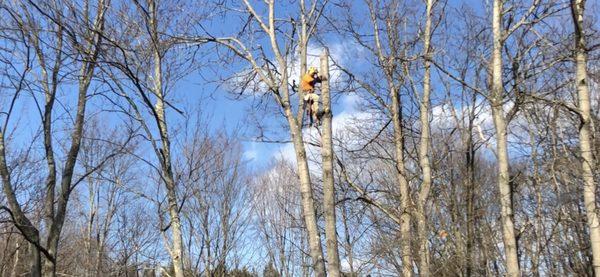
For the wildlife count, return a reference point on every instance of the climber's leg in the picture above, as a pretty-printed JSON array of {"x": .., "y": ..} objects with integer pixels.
[{"x": 309, "y": 114}]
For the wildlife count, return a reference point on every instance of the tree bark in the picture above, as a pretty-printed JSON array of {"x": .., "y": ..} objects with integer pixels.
[
  {"x": 17, "y": 256},
  {"x": 20, "y": 219},
  {"x": 497, "y": 100},
  {"x": 67, "y": 175},
  {"x": 164, "y": 156},
  {"x": 308, "y": 201},
  {"x": 470, "y": 195},
  {"x": 585, "y": 133},
  {"x": 405, "y": 217},
  {"x": 303, "y": 38},
  {"x": 35, "y": 262},
  {"x": 424, "y": 161},
  {"x": 333, "y": 258}
]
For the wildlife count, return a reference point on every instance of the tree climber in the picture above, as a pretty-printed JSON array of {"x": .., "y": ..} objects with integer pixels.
[{"x": 311, "y": 99}]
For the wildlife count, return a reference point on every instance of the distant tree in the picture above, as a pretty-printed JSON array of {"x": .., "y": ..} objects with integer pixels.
[
  {"x": 243, "y": 272},
  {"x": 270, "y": 271}
]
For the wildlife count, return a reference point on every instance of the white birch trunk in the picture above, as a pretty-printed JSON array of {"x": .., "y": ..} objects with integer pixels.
[
  {"x": 585, "y": 133},
  {"x": 176, "y": 250},
  {"x": 424, "y": 161},
  {"x": 333, "y": 258},
  {"x": 405, "y": 218},
  {"x": 508, "y": 230}
]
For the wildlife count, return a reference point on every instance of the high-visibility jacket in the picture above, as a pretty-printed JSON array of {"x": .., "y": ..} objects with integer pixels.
[{"x": 308, "y": 82}]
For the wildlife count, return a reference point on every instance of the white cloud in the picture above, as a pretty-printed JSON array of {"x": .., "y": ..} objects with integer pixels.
[
  {"x": 251, "y": 153},
  {"x": 255, "y": 85},
  {"x": 337, "y": 52},
  {"x": 446, "y": 117},
  {"x": 286, "y": 152},
  {"x": 350, "y": 102}
]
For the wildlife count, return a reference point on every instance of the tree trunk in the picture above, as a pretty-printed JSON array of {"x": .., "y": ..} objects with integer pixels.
[
  {"x": 303, "y": 38},
  {"x": 21, "y": 221},
  {"x": 35, "y": 262},
  {"x": 306, "y": 192},
  {"x": 93, "y": 210},
  {"x": 402, "y": 184},
  {"x": 333, "y": 258},
  {"x": 585, "y": 133},
  {"x": 388, "y": 67},
  {"x": 508, "y": 230},
  {"x": 86, "y": 71},
  {"x": 308, "y": 201},
  {"x": 348, "y": 241},
  {"x": 470, "y": 187},
  {"x": 17, "y": 256},
  {"x": 424, "y": 161},
  {"x": 164, "y": 154},
  {"x": 177, "y": 248}
]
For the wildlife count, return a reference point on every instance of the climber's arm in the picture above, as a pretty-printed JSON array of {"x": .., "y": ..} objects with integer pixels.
[{"x": 318, "y": 79}]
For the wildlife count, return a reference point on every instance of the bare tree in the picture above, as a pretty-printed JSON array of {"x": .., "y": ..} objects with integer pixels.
[
  {"x": 106, "y": 193},
  {"x": 32, "y": 20},
  {"x": 216, "y": 210},
  {"x": 424, "y": 161},
  {"x": 278, "y": 212},
  {"x": 274, "y": 74},
  {"x": 388, "y": 49},
  {"x": 497, "y": 103},
  {"x": 585, "y": 132},
  {"x": 148, "y": 59}
]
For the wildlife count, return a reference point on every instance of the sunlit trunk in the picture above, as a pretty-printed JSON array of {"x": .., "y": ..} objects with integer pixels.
[
  {"x": 585, "y": 133},
  {"x": 405, "y": 217},
  {"x": 176, "y": 250},
  {"x": 497, "y": 101},
  {"x": 424, "y": 142},
  {"x": 333, "y": 258}
]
